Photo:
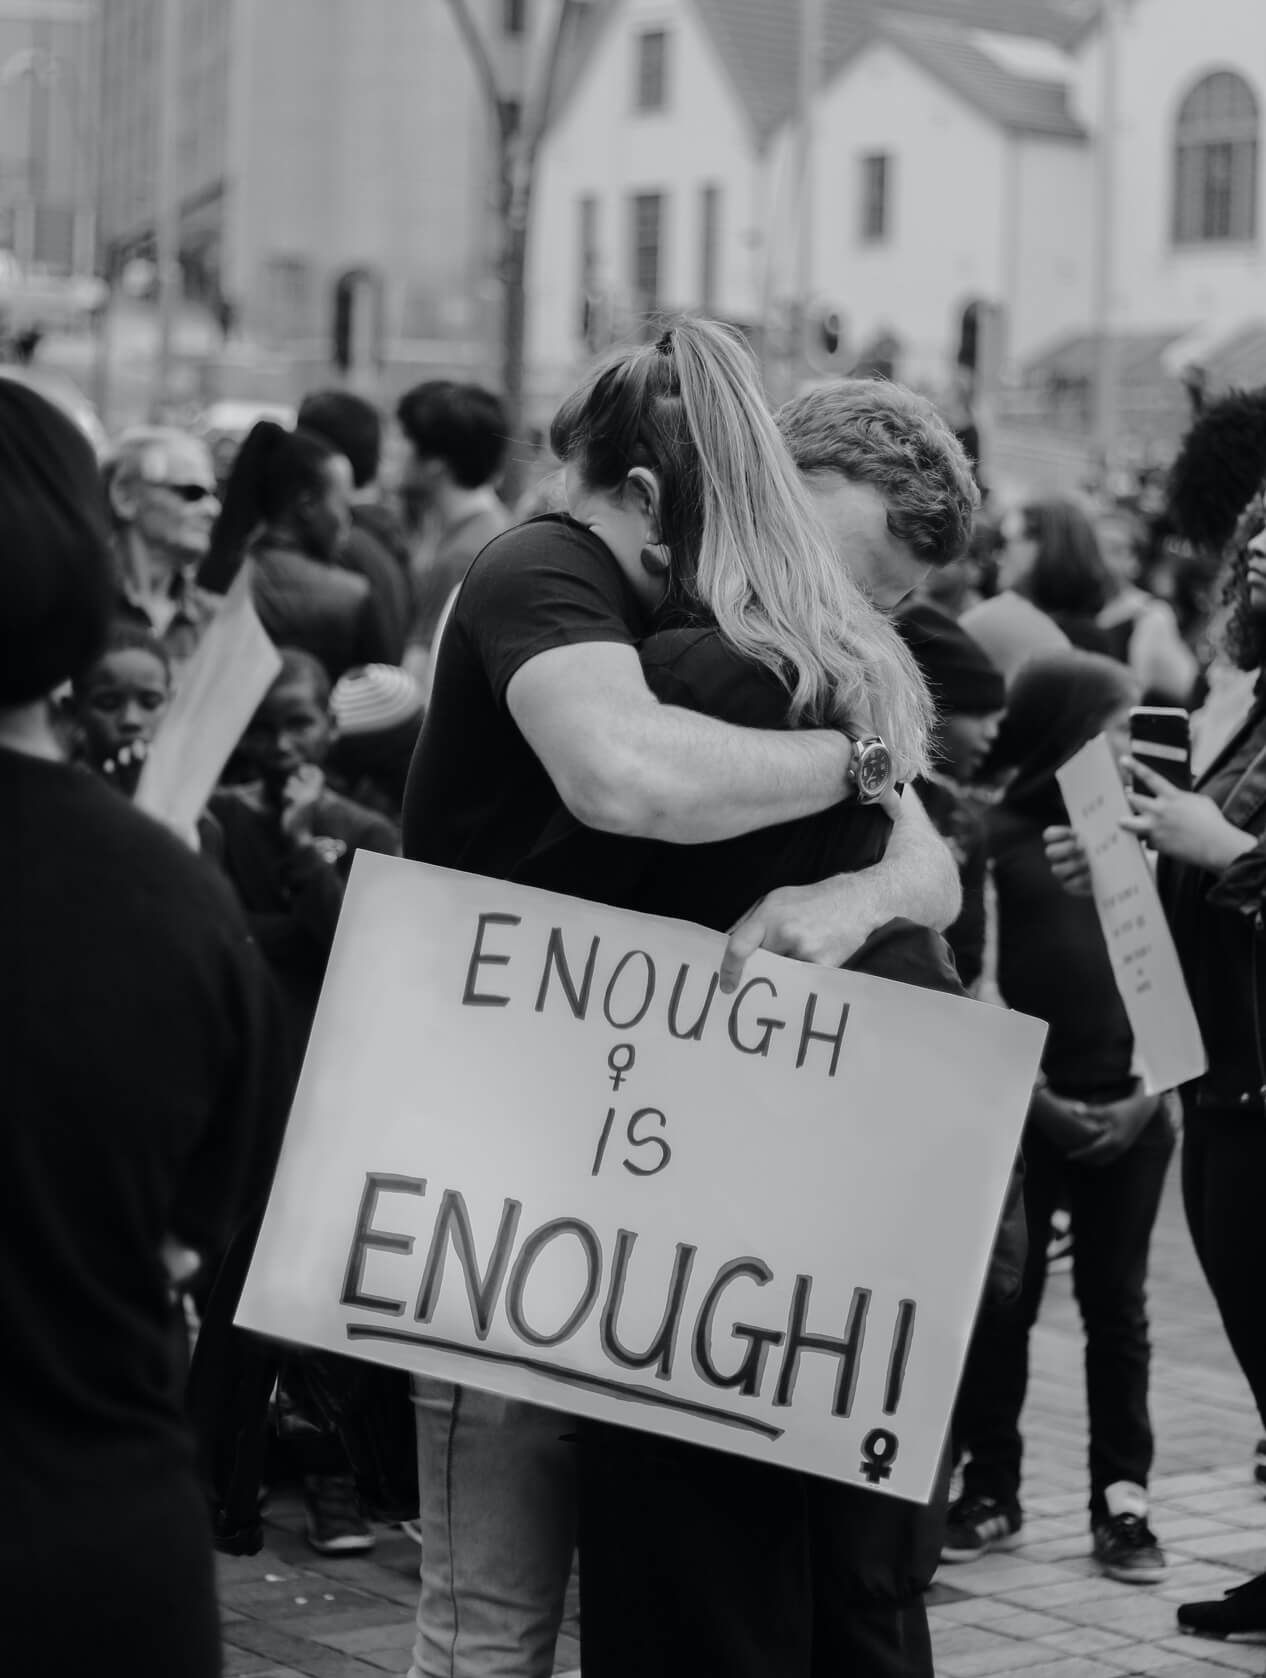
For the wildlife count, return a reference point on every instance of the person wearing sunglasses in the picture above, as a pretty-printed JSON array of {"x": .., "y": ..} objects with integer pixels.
[{"x": 163, "y": 504}]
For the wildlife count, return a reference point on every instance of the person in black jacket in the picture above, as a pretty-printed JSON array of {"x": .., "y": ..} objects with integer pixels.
[
  {"x": 1212, "y": 880},
  {"x": 139, "y": 1096},
  {"x": 1094, "y": 1138}
]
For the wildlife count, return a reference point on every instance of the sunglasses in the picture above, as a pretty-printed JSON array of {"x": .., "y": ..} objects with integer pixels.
[{"x": 186, "y": 492}]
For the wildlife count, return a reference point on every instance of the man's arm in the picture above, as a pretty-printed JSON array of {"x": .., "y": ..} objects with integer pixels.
[
  {"x": 623, "y": 763},
  {"x": 827, "y": 923}
]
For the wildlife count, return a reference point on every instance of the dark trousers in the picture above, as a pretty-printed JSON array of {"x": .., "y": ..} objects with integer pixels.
[
  {"x": 1112, "y": 1209},
  {"x": 1223, "y": 1177},
  {"x": 693, "y": 1563},
  {"x": 363, "y": 1420}
]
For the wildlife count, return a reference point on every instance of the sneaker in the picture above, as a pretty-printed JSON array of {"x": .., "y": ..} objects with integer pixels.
[
  {"x": 976, "y": 1525},
  {"x": 412, "y": 1529},
  {"x": 1241, "y": 1612},
  {"x": 1259, "y": 1463},
  {"x": 336, "y": 1526},
  {"x": 1125, "y": 1546}
]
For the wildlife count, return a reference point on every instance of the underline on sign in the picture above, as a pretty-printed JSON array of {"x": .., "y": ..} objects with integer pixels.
[{"x": 566, "y": 1377}]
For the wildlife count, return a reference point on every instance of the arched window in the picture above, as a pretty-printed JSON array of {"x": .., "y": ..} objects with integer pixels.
[{"x": 1215, "y": 176}]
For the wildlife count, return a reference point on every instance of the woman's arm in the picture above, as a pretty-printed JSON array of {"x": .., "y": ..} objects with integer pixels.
[{"x": 1184, "y": 825}]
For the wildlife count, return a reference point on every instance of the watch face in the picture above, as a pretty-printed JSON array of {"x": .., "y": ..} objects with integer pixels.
[{"x": 874, "y": 770}]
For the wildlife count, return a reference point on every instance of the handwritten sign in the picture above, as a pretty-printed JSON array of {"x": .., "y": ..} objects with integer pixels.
[
  {"x": 535, "y": 1150},
  {"x": 220, "y": 688},
  {"x": 1144, "y": 961}
]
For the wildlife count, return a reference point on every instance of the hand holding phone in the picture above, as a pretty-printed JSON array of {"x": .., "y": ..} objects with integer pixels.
[{"x": 1160, "y": 738}]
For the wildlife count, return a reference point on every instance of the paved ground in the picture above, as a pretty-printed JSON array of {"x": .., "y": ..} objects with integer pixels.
[{"x": 1041, "y": 1610}]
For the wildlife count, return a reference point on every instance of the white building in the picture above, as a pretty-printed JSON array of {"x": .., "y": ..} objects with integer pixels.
[{"x": 959, "y": 148}]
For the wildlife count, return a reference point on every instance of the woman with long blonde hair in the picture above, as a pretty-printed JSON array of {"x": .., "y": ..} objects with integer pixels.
[{"x": 681, "y": 429}]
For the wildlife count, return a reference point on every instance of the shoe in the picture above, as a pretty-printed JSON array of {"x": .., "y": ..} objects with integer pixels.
[
  {"x": 976, "y": 1525},
  {"x": 1125, "y": 1546},
  {"x": 1259, "y": 1463},
  {"x": 336, "y": 1526},
  {"x": 412, "y": 1529},
  {"x": 1240, "y": 1613},
  {"x": 237, "y": 1538}
]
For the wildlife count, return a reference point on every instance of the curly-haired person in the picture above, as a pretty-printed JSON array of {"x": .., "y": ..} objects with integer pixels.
[{"x": 1212, "y": 879}]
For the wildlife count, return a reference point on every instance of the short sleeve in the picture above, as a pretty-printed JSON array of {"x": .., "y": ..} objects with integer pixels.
[{"x": 549, "y": 583}]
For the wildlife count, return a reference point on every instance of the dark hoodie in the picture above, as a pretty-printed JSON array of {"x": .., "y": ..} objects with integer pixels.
[{"x": 1052, "y": 959}]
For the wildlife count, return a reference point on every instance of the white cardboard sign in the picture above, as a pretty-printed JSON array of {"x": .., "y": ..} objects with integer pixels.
[
  {"x": 220, "y": 688},
  {"x": 1167, "y": 1039},
  {"x": 535, "y": 1150}
]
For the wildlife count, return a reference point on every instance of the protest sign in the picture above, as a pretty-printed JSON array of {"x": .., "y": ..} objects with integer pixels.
[
  {"x": 219, "y": 690},
  {"x": 1145, "y": 963},
  {"x": 535, "y": 1150}
]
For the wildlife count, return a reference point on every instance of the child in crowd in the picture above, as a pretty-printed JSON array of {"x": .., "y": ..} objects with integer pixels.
[
  {"x": 287, "y": 839},
  {"x": 286, "y": 843},
  {"x": 117, "y": 704}
]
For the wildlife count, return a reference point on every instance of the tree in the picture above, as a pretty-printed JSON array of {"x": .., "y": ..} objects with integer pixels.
[{"x": 517, "y": 129}]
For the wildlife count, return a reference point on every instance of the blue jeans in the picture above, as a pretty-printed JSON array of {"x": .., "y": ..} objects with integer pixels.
[{"x": 497, "y": 1483}]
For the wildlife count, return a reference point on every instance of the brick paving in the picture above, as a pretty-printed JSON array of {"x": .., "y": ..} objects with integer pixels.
[{"x": 1040, "y": 1610}]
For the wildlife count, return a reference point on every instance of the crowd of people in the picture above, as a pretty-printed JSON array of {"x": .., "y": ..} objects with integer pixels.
[{"x": 775, "y": 673}]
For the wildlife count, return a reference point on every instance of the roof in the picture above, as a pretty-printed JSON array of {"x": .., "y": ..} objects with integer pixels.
[
  {"x": 757, "y": 42},
  {"x": 1024, "y": 104},
  {"x": 1075, "y": 357},
  {"x": 1238, "y": 361}
]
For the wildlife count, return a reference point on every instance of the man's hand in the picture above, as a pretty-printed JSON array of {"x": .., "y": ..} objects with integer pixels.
[
  {"x": 825, "y": 924},
  {"x": 828, "y": 923},
  {"x": 1069, "y": 862},
  {"x": 1120, "y": 1124},
  {"x": 1184, "y": 825}
]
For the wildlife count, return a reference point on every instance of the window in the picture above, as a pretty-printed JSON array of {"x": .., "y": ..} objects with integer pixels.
[
  {"x": 709, "y": 242},
  {"x": 514, "y": 17},
  {"x": 652, "y": 70},
  {"x": 648, "y": 235},
  {"x": 1215, "y": 165},
  {"x": 876, "y": 191}
]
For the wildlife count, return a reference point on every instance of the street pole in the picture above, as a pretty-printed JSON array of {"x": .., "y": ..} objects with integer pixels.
[
  {"x": 808, "y": 82},
  {"x": 1108, "y": 360},
  {"x": 167, "y": 203}
]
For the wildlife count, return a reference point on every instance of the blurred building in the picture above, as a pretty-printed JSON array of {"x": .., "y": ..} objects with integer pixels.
[
  {"x": 334, "y": 163},
  {"x": 47, "y": 135},
  {"x": 959, "y": 155}
]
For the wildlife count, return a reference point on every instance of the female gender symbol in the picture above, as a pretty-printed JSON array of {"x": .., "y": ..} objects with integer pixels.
[{"x": 620, "y": 1068}]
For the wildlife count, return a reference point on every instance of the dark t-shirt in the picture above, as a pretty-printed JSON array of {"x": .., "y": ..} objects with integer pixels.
[
  {"x": 478, "y": 797},
  {"x": 1053, "y": 963},
  {"x": 712, "y": 884}
]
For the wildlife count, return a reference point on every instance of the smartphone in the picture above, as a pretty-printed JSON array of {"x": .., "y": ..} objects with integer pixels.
[{"x": 1160, "y": 738}]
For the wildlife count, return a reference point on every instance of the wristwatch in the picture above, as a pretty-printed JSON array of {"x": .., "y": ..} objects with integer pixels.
[{"x": 870, "y": 771}]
